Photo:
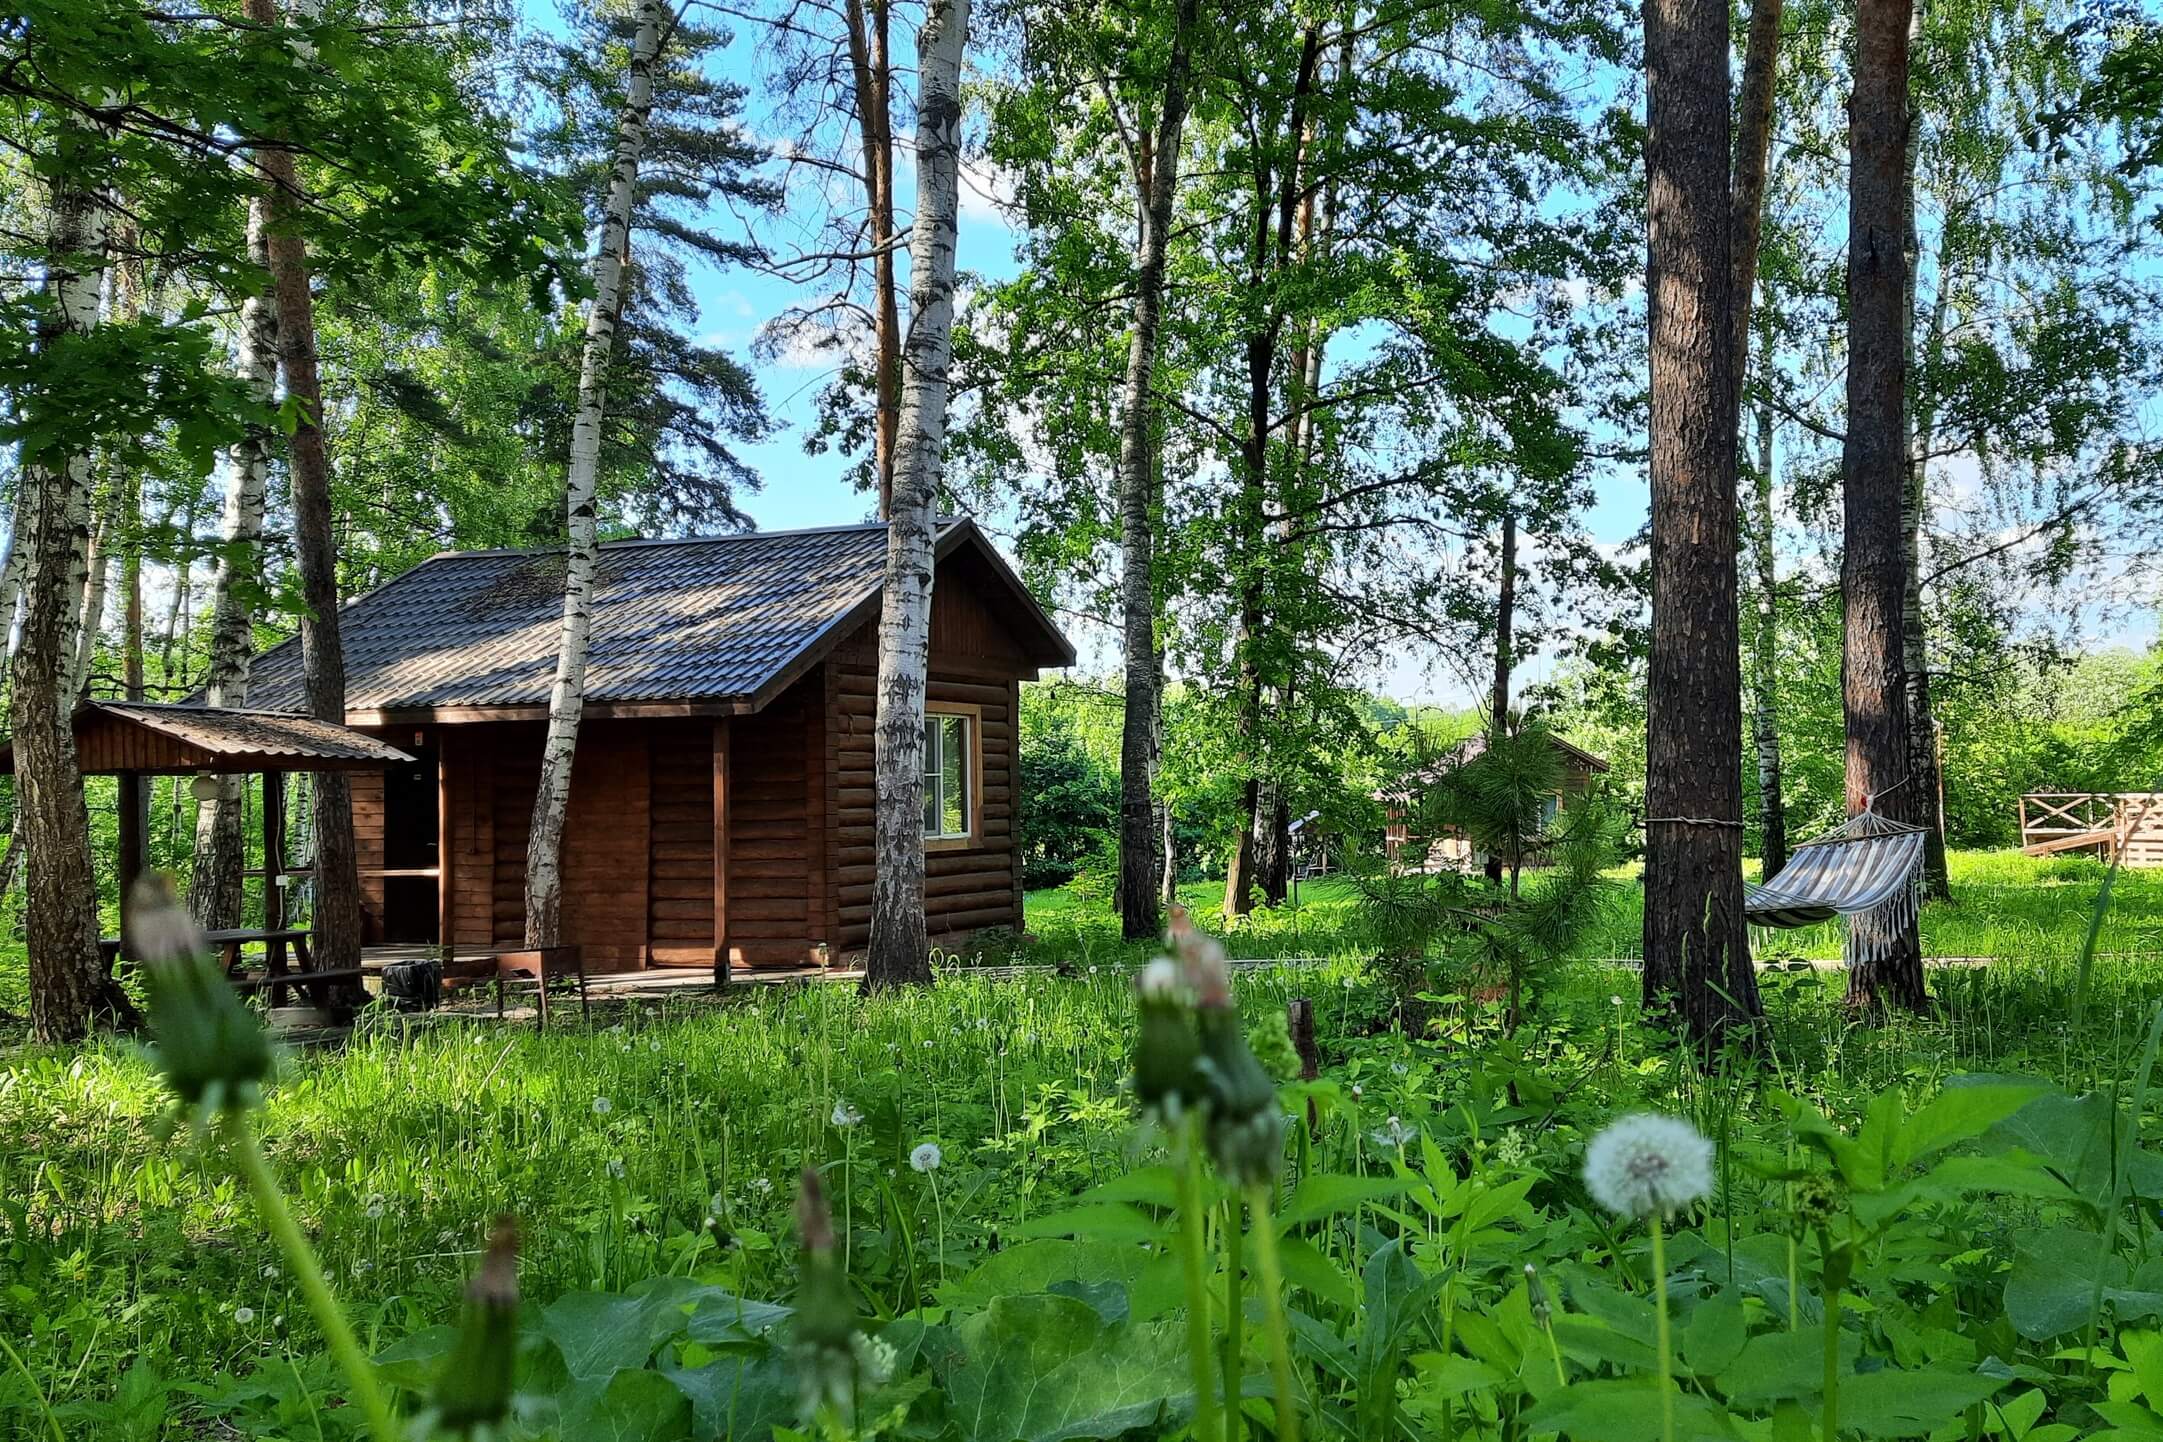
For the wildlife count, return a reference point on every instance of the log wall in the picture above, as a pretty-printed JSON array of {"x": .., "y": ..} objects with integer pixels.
[
  {"x": 974, "y": 663},
  {"x": 680, "y": 861},
  {"x": 777, "y": 839}
]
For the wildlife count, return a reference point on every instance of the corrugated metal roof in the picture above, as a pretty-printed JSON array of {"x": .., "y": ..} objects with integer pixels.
[
  {"x": 252, "y": 734},
  {"x": 708, "y": 619}
]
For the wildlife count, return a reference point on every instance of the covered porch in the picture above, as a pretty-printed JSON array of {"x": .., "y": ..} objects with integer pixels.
[{"x": 133, "y": 741}]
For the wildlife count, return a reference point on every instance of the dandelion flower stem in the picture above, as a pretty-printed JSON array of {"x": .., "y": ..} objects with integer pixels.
[
  {"x": 1666, "y": 1337},
  {"x": 337, "y": 1333},
  {"x": 1235, "y": 1316},
  {"x": 1280, "y": 1341},
  {"x": 1206, "y": 1425}
]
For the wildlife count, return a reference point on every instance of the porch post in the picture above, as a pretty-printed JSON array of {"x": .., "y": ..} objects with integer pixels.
[
  {"x": 446, "y": 837},
  {"x": 130, "y": 859},
  {"x": 721, "y": 851},
  {"x": 273, "y": 850}
]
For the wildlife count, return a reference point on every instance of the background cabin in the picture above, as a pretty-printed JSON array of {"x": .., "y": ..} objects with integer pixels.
[
  {"x": 1451, "y": 850},
  {"x": 721, "y": 794}
]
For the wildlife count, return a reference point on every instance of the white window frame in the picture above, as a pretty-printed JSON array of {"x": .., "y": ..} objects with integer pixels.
[{"x": 972, "y": 777}]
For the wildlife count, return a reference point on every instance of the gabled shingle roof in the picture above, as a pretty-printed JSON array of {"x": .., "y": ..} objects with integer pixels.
[{"x": 720, "y": 619}]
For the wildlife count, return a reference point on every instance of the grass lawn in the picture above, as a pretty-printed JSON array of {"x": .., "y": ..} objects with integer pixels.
[
  {"x": 2004, "y": 906},
  {"x": 141, "y": 1297}
]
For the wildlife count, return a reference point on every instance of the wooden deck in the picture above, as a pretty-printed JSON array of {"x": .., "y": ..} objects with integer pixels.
[{"x": 2125, "y": 826}]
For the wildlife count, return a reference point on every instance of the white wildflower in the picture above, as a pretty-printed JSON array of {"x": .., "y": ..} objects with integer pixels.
[
  {"x": 762, "y": 1185},
  {"x": 1358, "y": 1091},
  {"x": 1614, "y": 1001},
  {"x": 1646, "y": 1165},
  {"x": 926, "y": 1157},
  {"x": 615, "y": 1168},
  {"x": 602, "y": 1106},
  {"x": 846, "y": 1115},
  {"x": 242, "y": 1316},
  {"x": 875, "y": 1358},
  {"x": 270, "y": 1272}
]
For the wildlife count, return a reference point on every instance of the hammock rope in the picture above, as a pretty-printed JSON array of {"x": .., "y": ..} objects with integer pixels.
[{"x": 1867, "y": 870}]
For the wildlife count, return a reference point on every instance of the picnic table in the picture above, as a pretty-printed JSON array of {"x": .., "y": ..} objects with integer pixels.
[{"x": 318, "y": 984}]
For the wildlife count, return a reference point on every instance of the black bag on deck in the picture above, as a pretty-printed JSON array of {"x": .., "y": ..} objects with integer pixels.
[{"x": 415, "y": 985}]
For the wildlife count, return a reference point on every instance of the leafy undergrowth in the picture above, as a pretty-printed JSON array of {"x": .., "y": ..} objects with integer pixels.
[{"x": 1990, "y": 1198}]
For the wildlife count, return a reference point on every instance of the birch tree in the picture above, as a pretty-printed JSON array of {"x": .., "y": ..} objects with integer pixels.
[
  {"x": 567, "y": 697},
  {"x": 70, "y": 990},
  {"x": 215, "y": 894},
  {"x": 1156, "y": 178},
  {"x": 899, "y": 948}
]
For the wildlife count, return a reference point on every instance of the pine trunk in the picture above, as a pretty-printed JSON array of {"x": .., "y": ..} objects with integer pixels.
[
  {"x": 1697, "y": 961},
  {"x": 1498, "y": 695},
  {"x": 1139, "y": 916},
  {"x": 216, "y": 894},
  {"x": 567, "y": 698},
  {"x": 1872, "y": 571},
  {"x": 337, "y": 921},
  {"x": 899, "y": 951},
  {"x": 1923, "y": 766},
  {"x": 70, "y": 990},
  {"x": 872, "y": 70}
]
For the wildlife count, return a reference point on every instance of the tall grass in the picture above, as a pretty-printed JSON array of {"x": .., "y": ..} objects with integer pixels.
[{"x": 666, "y": 1137}]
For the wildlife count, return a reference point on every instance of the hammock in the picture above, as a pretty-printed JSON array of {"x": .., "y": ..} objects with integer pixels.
[{"x": 1864, "y": 869}]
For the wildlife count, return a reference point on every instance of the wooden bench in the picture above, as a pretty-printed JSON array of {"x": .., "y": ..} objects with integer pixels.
[{"x": 229, "y": 943}]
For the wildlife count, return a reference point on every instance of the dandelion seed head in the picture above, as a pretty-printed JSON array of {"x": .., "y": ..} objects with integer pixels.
[
  {"x": 243, "y": 1315},
  {"x": 846, "y": 1115},
  {"x": 1645, "y": 1165},
  {"x": 1159, "y": 979},
  {"x": 926, "y": 1157},
  {"x": 602, "y": 1106}
]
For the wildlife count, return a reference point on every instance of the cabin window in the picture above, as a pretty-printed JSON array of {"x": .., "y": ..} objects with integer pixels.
[
  {"x": 1550, "y": 810},
  {"x": 949, "y": 776}
]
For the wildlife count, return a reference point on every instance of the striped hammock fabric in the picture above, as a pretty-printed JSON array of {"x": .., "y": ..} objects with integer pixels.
[{"x": 1865, "y": 870}]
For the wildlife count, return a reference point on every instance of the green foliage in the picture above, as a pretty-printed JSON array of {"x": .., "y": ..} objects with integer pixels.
[{"x": 1069, "y": 796}]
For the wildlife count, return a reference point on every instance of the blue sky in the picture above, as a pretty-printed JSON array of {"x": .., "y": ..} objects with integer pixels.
[{"x": 808, "y": 490}]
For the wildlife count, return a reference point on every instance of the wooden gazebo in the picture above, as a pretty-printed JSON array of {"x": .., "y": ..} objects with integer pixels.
[{"x": 134, "y": 739}]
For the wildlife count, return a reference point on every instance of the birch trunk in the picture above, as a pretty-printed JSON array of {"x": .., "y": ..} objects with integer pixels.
[
  {"x": 70, "y": 990},
  {"x": 899, "y": 948},
  {"x": 567, "y": 699},
  {"x": 1139, "y": 916},
  {"x": 1872, "y": 573},
  {"x": 337, "y": 920},
  {"x": 215, "y": 894},
  {"x": 1271, "y": 249},
  {"x": 1697, "y": 959},
  {"x": 90, "y": 623},
  {"x": 1765, "y": 654}
]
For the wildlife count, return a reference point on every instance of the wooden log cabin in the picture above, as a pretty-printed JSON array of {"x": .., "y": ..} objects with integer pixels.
[
  {"x": 1452, "y": 850},
  {"x": 721, "y": 794}
]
